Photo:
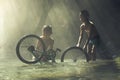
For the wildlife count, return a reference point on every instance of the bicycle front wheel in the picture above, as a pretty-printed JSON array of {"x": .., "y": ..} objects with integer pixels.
[
  {"x": 26, "y": 49},
  {"x": 74, "y": 54}
]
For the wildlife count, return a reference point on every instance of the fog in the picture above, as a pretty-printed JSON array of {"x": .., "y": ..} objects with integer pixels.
[{"x": 23, "y": 17}]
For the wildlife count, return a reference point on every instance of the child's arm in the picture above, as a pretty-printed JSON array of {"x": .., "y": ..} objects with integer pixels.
[{"x": 80, "y": 36}]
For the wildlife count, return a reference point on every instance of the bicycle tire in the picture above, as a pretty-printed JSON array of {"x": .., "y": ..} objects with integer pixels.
[
  {"x": 78, "y": 49},
  {"x": 21, "y": 45}
]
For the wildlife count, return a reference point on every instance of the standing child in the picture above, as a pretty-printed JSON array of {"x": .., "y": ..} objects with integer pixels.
[{"x": 92, "y": 35}]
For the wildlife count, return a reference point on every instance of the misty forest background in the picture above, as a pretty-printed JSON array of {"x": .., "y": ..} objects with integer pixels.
[{"x": 23, "y": 17}]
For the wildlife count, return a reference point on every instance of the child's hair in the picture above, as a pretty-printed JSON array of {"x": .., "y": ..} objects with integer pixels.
[
  {"x": 47, "y": 29},
  {"x": 85, "y": 13}
]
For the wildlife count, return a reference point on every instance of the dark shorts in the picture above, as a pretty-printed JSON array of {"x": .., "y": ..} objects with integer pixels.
[
  {"x": 95, "y": 40},
  {"x": 51, "y": 54}
]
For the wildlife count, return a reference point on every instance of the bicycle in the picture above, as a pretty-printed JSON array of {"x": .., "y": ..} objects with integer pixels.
[
  {"x": 74, "y": 54},
  {"x": 26, "y": 50}
]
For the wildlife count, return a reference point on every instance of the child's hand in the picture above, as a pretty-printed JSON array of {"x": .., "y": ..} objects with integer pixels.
[
  {"x": 84, "y": 47},
  {"x": 58, "y": 49},
  {"x": 78, "y": 45}
]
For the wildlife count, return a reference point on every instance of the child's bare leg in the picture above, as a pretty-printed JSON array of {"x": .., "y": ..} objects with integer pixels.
[
  {"x": 93, "y": 52},
  {"x": 89, "y": 48}
]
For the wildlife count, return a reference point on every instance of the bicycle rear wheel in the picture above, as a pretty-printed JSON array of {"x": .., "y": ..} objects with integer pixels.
[
  {"x": 26, "y": 49},
  {"x": 74, "y": 54}
]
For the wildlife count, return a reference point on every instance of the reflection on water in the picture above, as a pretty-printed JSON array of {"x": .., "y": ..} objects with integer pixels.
[{"x": 13, "y": 69}]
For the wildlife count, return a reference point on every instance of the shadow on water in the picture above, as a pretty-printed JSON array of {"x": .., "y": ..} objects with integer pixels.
[
  {"x": 108, "y": 67},
  {"x": 106, "y": 70}
]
